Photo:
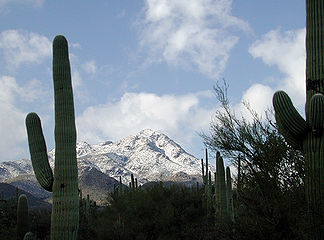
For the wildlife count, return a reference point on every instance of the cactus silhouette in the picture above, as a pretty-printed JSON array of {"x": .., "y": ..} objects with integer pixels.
[
  {"x": 64, "y": 182},
  {"x": 307, "y": 135},
  {"x": 22, "y": 216},
  {"x": 229, "y": 194}
]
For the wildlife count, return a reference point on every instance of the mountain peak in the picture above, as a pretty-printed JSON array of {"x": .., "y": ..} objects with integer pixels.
[
  {"x": 148, "y": 131},
  {"x": 149, "y": 155}
]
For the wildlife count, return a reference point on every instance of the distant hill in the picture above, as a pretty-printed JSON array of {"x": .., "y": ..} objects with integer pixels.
[{"x": 9, "y": 191}]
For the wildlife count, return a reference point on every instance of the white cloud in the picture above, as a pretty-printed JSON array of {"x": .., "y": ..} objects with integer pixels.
[
  {"x": 196, "y": 32},
  {"x": 90, "y": 67},
  {"x": 76, "y": 45},
  {"x": 76, "y": 79},
  {"x": 19, "y": 47},
  {"x": 259, "y": 99},
  {"x": 286, "y": 51},
  {"x": 12, "y": 119},
  {"x": 79, "y": 91},
  {"x": 32, "y": 3},
  {"x": 177, "y": 116}
]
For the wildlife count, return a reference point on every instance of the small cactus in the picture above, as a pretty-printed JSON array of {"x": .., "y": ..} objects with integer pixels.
[
  {"x": 221, "y": 187},
  {"x": 202, "y": 171},
  {"x": 120, "y": 186},
  {"x": 22, "y": 216},
  {"x": 132, "y": 181}
]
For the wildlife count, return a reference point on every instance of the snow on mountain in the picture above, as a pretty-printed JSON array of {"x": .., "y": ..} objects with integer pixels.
[
  {"x": 15, "y": 168},
  {"x": 149, "y": 155}
]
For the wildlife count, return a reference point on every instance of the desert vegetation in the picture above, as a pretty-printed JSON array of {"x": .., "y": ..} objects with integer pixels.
[{"x": 276, "y": 191}]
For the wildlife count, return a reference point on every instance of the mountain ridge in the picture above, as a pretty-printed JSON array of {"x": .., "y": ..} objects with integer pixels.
[{"x": 149, "y": 155}]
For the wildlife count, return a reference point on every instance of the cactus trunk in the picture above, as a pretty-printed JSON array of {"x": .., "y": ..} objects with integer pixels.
[
  {"x": 202, "y": 170},
  {"x": 308, "y": 135},
  {"x": 65, "y": 213},
  {"x": 64, "y": 184},
  {"x": 229, "y": 194}
]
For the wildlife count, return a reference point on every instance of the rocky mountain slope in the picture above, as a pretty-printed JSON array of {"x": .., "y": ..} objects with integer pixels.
[{"x": 149, "y": 155}]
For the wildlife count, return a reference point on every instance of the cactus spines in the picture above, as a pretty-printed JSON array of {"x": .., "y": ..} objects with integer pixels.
[
  {"x": 29, "y": 236},
  {"x": 307, "y": 135},
  {"x": 22, "y": 216},
  {"x": 65, "y": 209}
]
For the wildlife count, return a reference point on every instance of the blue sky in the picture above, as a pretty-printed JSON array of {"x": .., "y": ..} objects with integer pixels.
[{"x": 146, "y": 64}]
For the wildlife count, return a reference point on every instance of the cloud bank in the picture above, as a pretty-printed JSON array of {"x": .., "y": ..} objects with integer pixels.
[
  {"x": 32, "y": 3},
  {"x": 195, "y": 33},
  {"x": 177, "y": 116},
  {"x": 285, "y": 50},
  {"x": 21, "y": 47}
]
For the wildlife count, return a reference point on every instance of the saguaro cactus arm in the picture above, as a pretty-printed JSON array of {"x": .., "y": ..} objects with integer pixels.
[
  {"x": 308, "y": 135},
  {"x": 316, "y": 116},
  {"x": 38, "y": 152},
  {"x": 291, "y": 124}
]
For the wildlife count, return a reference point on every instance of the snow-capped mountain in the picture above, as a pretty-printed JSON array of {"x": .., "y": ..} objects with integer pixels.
[{"x": 149, "y": 155}]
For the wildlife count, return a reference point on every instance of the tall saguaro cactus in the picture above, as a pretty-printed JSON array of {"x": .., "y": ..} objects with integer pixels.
[
  {"x": 307, "y": 135},
  {"x": 64, "y": 184}
]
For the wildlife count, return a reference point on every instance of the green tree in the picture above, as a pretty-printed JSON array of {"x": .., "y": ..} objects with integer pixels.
[{"x": 269, "y": 204}]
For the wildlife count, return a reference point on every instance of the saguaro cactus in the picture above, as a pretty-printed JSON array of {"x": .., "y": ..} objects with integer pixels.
[
  {"x": 229, "y": 194},
  {"x": 132, "y": 181},
  {"x": 22, "y": 216},
  {"x": 120, "y": 186},
  {"x": 202, "y": 171},
  {"x": 307, "y": 135},
  {"x": 64, "y": 184},
  {"x": 207, "y": 185},
  {"x": 221, "y": 187}
]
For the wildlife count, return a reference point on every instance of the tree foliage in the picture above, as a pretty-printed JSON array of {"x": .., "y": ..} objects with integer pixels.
[
  {"x": 270, "y": 201},
  {"x": 157, "y": 212}
]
